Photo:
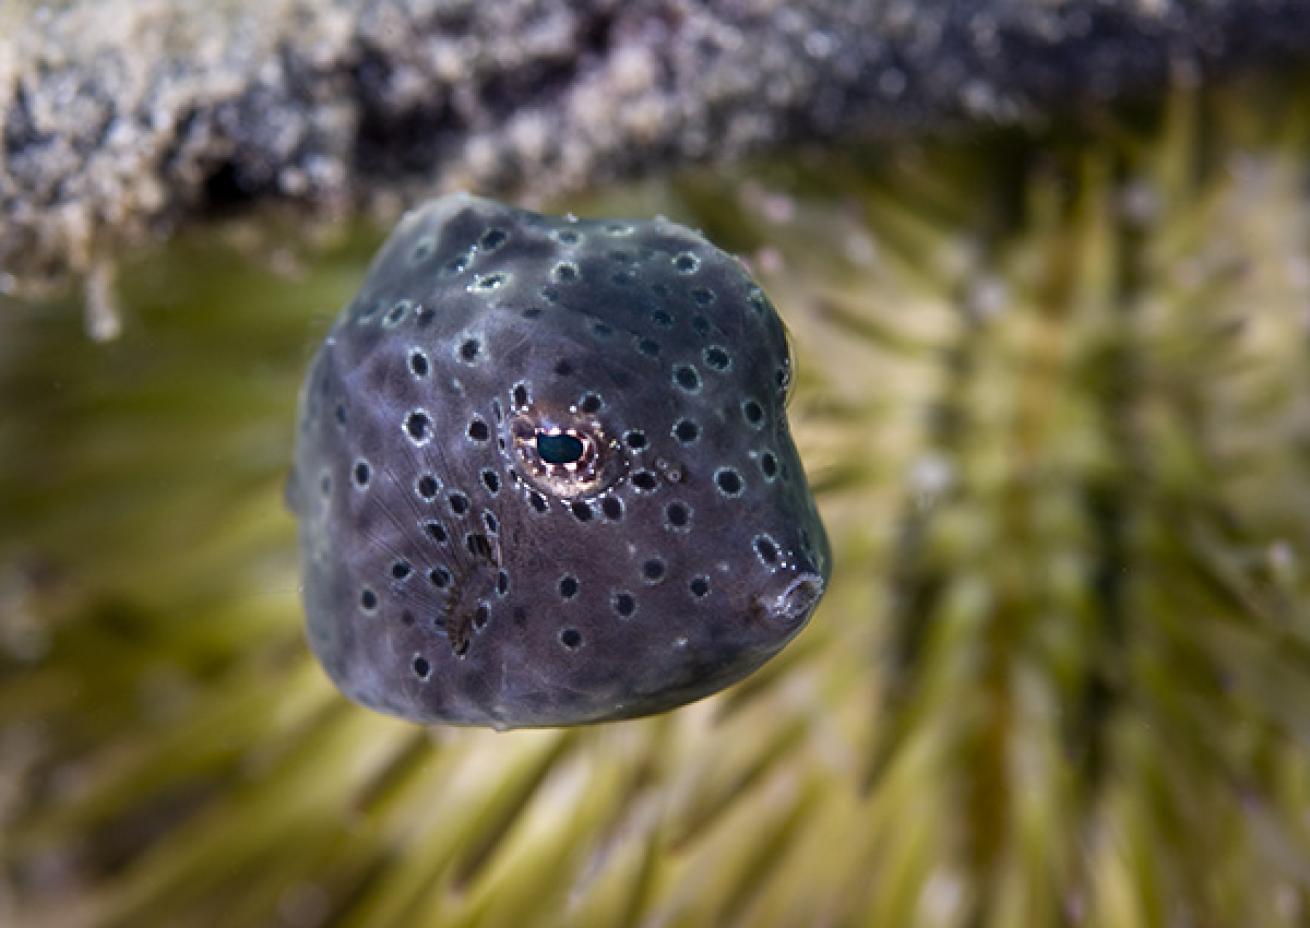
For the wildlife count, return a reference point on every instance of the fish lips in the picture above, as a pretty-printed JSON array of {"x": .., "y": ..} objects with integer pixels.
[{"x": 790, "y": 607}]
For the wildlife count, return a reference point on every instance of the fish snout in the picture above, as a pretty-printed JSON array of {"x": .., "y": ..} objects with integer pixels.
[{"x": 791, "y": 598}]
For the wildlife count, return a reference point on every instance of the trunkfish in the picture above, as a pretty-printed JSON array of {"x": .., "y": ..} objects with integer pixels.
[{"x": 543, "y": 473}]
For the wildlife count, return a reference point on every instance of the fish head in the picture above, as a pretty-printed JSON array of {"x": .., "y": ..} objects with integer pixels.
[{"x": 587, "y": 504}]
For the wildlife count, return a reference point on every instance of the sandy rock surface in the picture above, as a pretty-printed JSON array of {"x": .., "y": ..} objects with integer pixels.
[{"x": 124, "y": 119}]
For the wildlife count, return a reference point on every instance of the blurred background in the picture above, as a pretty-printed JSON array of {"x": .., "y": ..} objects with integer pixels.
[{"x": 1047, "y": 271}]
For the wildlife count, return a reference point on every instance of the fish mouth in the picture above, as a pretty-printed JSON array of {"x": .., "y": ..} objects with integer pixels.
[{"x": 790, "y": 608}]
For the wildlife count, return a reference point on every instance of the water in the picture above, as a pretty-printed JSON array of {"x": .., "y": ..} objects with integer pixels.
[{"x": 1060, "y": 442}]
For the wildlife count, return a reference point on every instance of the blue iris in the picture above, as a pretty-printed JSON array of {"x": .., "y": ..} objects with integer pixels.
[{"x": 558, "y": 449}]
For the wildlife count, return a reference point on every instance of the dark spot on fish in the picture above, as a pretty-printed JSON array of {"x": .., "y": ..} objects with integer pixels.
[
  {"x": 717, "y": 358},
  {"x": 677, "y": 515},
  {"x": 625, "y": 604},
  {"x": 417, "y": 425},
  {"x": 686, "y": 431},
  {"x": 685, "y": 376},
  {"x": 397, "y": 313},
  {"x": 729, "y": 481}
]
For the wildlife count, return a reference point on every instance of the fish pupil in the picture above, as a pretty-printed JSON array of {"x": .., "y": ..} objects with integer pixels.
[{"x": 558, "y": 449}]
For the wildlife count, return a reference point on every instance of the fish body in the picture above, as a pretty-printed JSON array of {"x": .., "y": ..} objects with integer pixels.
[{"x": 543, "y": 474}]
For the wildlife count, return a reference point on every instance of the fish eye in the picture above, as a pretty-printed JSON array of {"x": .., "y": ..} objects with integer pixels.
[
  {"x": 559, "y": 449},
  {"x": 564, "y": 455}
]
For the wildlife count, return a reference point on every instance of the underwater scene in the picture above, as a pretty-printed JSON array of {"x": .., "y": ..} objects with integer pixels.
[{"x": 1040, "y": 656}]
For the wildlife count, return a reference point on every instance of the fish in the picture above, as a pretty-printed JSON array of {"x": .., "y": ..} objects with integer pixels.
[{"x": 543, "y": 473}]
